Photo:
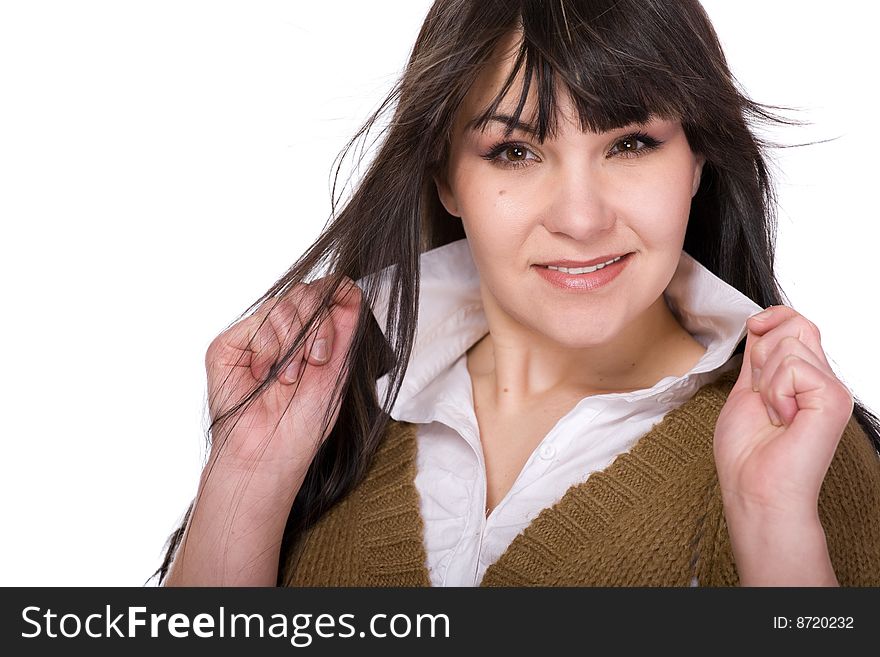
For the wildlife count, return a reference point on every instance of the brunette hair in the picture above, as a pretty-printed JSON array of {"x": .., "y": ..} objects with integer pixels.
[{"x": 621, "y": 61}]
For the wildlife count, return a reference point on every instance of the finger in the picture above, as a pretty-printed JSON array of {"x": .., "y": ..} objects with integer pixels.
[
  {"x": 314, "y": 312},
  {"x": 239, "y": 335},
  {"x": 281, "y": 325},
  {"x": 340, "y": 300},
  {"x": 757, "y": 325},
  {"x": 319, "y": 343},
  {"x": 289, "y": 323},
  {"x": 237, "y": 346},
  {"x": 788, "y": 344},
  {"x": 320, "y": 339},
  {"x": 313, "y": 321},
  {"x": 810, "y": 401},
  {"x": 303, "y": 309},
  {"x": 769, "y": 318},
  {"x": 744, "y": 380},
  {"x": 794, "y": 325},
  {"x": 781, "y": 408}
]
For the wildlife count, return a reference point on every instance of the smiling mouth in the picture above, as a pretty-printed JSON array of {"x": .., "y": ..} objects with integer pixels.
[
  {"x": 587, "y": 269},
  {"x": 583, "y": 270},
  {"x": 584, "y": 279}
]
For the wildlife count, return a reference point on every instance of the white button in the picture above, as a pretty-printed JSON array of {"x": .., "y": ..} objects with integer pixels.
[
  {"x": 666, "y": 397},
  {"x": 547, "y": 451}
]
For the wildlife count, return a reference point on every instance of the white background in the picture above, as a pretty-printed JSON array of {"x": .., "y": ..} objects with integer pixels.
[{"x": 162, "y": 163}]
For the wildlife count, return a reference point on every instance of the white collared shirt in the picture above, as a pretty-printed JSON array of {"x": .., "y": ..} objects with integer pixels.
[{"x": 436, "y": 393}]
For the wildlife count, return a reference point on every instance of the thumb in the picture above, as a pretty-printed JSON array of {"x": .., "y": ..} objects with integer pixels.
[{"x": 744, "y": 380}]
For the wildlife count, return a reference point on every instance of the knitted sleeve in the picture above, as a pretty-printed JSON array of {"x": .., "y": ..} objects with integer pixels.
[
  {"x": 372, "y": 536},
  {"x": 849, "y": 508}
]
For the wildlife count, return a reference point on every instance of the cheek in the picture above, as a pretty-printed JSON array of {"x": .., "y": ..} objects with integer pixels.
[
  {"x": 659, "y": 205},
  {"x": 496, "y": 207},
  {"x": 494, "y": 232}
]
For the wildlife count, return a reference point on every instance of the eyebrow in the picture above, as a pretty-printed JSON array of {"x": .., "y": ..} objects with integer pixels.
[
  {"x": 506, "y": 119},
  {"x": 528, "y": 128}
]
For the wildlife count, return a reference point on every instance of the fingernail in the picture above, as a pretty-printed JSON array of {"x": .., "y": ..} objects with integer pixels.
[
  {"x": 774, "y": 418},
  {"x": 319, "y": 349},
  {"x": 292, "y": 369},
  {"x": 756, "y": 375},
  {"x": 764, "y": 314}
]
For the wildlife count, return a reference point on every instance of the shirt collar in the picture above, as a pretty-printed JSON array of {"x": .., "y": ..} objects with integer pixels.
[{"x": 451, "y": 318}]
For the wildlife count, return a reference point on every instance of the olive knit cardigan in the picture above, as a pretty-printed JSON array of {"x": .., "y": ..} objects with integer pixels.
[{"x": 654, "y": 517}]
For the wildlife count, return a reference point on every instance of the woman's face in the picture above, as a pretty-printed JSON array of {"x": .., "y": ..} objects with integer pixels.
[{"x": 578, "y": 196}]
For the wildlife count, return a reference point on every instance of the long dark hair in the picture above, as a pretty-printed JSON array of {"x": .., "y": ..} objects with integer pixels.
[{"x": 621, "y": 61}]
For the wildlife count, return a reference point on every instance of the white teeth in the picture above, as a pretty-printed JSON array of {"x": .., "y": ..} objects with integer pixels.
[{"x": 584, "y": 270}]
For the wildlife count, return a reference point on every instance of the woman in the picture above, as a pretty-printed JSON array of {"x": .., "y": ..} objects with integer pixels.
[{"x": 571, "y": 204}]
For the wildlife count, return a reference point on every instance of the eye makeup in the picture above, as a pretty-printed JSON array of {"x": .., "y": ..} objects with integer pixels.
[{"x": 503, "y": 147}]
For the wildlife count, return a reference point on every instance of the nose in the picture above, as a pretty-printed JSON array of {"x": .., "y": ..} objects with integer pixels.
[{"x": 580, "y": 201}]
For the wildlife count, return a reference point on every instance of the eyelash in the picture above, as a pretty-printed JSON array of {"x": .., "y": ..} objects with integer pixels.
[{"x": 497, "y": 149}]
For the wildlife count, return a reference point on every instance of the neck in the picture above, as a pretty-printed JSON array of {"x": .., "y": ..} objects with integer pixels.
[{"x": 515, "y": 367}]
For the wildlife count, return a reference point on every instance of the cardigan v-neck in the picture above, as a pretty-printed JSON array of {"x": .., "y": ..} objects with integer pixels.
[{"x": 654, "y": 517}]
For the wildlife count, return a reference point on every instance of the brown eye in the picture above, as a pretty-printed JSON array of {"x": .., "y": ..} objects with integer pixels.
[
  {"x": 512, "y": 155},
  {"x": 629, "y": 146}
]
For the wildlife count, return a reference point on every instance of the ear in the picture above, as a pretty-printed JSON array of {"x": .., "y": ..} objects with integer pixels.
[
  {"x": 447, "y": 198},
  {"x": 698, "y": 172}
]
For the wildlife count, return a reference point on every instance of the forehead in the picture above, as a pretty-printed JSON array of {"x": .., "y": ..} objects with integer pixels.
[{"x": 490, "y": 81}]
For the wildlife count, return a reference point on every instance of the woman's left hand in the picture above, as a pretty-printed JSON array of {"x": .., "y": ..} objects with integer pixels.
[
  {"x": 778, "y": 431},
  {"x": 776, "y": 436}
]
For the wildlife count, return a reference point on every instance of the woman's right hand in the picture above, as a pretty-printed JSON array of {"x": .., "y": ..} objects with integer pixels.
[{"x": 278, "y": 434}]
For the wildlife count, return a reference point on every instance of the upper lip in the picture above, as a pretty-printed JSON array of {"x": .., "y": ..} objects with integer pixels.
[{"x": 582, "y": 263}]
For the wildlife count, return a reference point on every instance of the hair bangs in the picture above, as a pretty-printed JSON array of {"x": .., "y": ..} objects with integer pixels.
[{"x": 612, "y": 83}]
